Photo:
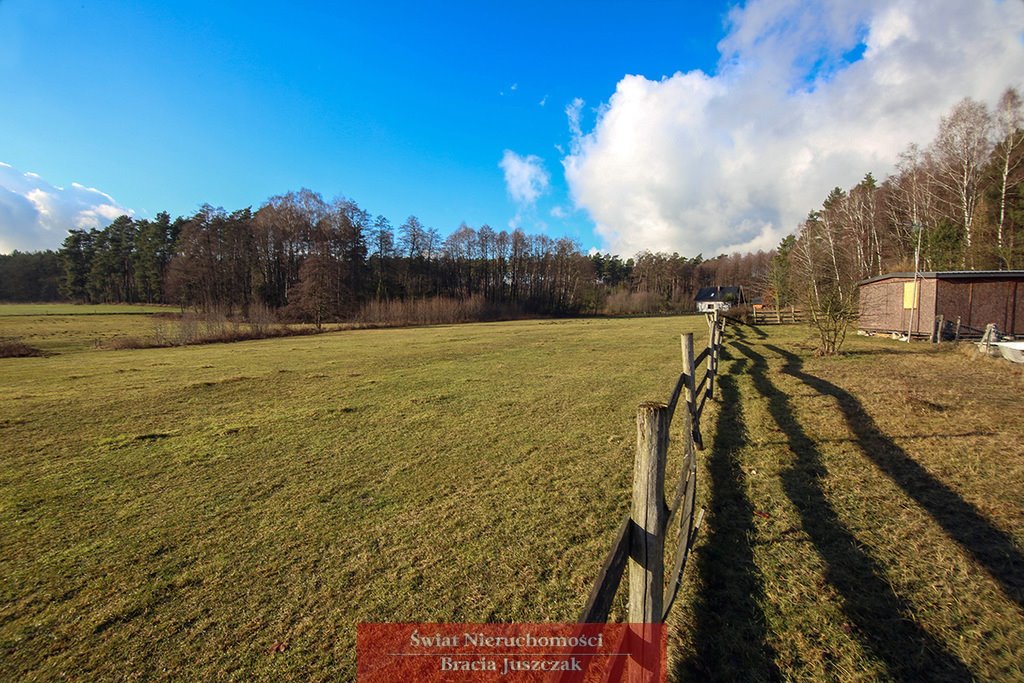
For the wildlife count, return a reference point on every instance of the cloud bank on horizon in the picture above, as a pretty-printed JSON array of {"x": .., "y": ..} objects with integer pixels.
[
  {"x": 35, "y": 215},
  {"x": 806, "y": 96}
]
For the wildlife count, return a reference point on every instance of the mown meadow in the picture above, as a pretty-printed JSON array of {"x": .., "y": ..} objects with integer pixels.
[{"x": 232, "y": 511}]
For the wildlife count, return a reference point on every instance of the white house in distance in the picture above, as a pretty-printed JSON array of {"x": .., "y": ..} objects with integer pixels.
[{"x": 718, "y": 298}]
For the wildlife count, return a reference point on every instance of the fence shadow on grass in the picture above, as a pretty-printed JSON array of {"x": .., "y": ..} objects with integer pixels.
[
  {"x": 730, "y": 640},
  {"x": 993, "y": 548},
  {"x": 753, "y": 327},
  {"x": 883, "y": 621}
]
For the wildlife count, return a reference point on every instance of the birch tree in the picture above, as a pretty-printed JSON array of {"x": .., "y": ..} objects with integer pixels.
[
  {"x": 1009, "y": 132},
  {"x": 960, "y": 151}
]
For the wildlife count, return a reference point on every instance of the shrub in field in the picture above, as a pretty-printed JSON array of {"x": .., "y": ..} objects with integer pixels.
[
  {"x": 626, "y": 303},
  {"x": 120, "y": 343},
  {"x": 210, "y": 328},
  {"x": 434, "y": 311},
  {"x": 740, "y": 313},
  {"x": 15, "y": 348}
]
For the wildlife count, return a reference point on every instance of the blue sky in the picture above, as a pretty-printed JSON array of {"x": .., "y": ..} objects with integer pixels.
[
  {"x": 406, "y": 107},
  {"x": 687, "y": 126}
]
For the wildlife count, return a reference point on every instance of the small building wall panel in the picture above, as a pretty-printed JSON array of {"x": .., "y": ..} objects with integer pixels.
[
  {"x": 886, "y": 302},
  {"x": 883, "y": 306}
]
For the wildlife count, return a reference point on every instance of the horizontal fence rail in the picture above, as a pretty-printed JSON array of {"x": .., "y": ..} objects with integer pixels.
[
  {"x": 641, "y": 539},
  {"x": 777, "y": 316}
]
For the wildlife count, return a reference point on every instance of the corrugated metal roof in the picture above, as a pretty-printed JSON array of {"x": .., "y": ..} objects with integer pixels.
[{"x": 952, "y": 275}]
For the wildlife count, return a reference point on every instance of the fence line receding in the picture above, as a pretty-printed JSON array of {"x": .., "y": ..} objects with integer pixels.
[{"x": 641, "y": 539}]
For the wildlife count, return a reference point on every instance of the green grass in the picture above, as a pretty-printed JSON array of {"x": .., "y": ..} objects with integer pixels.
[
  {"x": 64, "y": 309},
  {"x": 66, "y": 328},
  {"x": 70, "y": 328},
  {"x": 185, "y": 509},
  {"x": 185, "y": 512}
]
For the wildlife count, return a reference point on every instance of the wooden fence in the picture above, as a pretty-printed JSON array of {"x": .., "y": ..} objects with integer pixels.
[
  {"x": 641, "y": 538},
  {"x": 777, "y": 316}
]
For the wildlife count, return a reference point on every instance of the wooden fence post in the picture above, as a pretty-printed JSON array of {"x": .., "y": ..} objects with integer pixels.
[
  {"x": 690, "y": 372},
  {"x": 989, "y": 336},
  {"x": 690, "y": 386},
  {"x": 712, "y": 355},
  {"x": 647, "y": 557}
]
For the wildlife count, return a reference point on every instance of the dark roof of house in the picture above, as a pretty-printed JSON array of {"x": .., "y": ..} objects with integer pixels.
[
  {"x": 718, "y": 293},
  {"x": 953, "y": 275}
]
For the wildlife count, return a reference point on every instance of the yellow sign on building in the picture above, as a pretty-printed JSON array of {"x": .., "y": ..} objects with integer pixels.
[{"x": 911, "y": 294}]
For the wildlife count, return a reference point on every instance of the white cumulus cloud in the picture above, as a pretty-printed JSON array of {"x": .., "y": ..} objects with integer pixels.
[
  {"x": 525, "y": 177},
  {"x": 36, "y": 215},
  {"x": 806, "y": 96}
]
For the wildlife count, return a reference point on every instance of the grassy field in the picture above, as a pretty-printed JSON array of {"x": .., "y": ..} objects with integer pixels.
[
  {"x": 232, "y": 511},
  {"x": 69, "y": 328},
  {"x": 66, "y": 309},
  {"x": 64, "y": 328}
]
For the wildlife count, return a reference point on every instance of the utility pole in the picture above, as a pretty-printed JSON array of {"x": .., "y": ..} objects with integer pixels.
[{"x": 915, "y": 294}]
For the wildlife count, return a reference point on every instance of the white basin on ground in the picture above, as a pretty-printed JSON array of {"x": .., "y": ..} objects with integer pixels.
[{"x": 1013, "y": 351}]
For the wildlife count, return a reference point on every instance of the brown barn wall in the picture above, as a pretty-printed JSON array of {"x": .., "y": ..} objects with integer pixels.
[
  {"x": 1018, "y": 316},
  {"x": 976, "y": 302},
  {"x": 877, "y": 306},
  {"x": 957, "y": 299},
  {"x": 924, "y": 322},
  {"x": 881, "y": 306},
  {"x": 979, "y": 302}
]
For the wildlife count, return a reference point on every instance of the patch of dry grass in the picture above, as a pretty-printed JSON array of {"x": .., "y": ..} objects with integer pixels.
[{"x": 867, "y": 517}]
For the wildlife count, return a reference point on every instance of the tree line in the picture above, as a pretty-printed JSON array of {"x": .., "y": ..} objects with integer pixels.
[
  {"x": 306, "y": 258},
  {"x": 30, "y": 276}
]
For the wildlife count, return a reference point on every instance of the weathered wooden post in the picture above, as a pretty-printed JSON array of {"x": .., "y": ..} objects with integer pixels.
[
  {"x": 989, "y": 337},
  {"x": 691, "y": 373},
  {"x": 690, "y": 388},
  {"x": 647, "y": 554},
  {"x": 712, "y": 354}
]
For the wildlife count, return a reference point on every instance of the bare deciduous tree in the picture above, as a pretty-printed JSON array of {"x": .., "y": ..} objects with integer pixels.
[
  {"x": 1009, "y": 132},
  {"x": 960, "y": 151}
]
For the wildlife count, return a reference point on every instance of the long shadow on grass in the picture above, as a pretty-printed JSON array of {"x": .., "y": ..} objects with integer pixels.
[
  {"x": 736, "y": 327},
  {"x": 884, "y": 621},
  {"x": 730, "y": 639},
  {"x": 993, "y": 548}
]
